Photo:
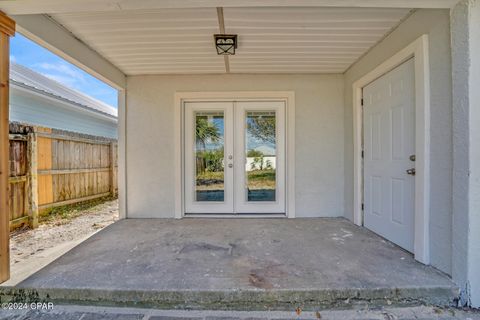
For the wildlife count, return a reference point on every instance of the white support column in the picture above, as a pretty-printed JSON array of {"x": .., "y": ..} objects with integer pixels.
[
  {"x": 474, "y": 204},
  {"x": 122, "y": 154},
  {"x": 465, "y": 30}
]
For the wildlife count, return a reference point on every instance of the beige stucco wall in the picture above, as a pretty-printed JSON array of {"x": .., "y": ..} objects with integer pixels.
[
  {"x": 435, "y": 23},
  {"x": 319, "y": 149}
]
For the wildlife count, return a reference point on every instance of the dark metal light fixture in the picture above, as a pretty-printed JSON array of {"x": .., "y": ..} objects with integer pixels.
[{"x": 225, "y": 43}]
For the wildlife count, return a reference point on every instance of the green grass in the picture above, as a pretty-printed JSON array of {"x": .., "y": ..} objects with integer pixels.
[
  {"x": 261, "y": 179},
  {"x": 210, "y": 175},
  {"x": 256, "y": 175},
  {"x": 257, "y": 179},
  {"x": 261, "y": 175}
]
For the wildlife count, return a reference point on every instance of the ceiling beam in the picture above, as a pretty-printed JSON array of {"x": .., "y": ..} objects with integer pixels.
[
  {"x": 49, "y": 34},
  {"x": 221, "y": 27},
  {"x": 65, "y": 6}
]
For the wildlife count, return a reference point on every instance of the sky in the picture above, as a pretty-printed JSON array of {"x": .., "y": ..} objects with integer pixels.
[{"x": 27, "y": 53}]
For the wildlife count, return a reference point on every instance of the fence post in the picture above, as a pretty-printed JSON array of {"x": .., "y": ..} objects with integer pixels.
[
  {"x": 32, "y": 193},
  {"x": 112, "y": 169}
]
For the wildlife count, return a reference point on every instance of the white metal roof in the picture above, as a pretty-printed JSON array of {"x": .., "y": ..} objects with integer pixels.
[
  {"x": 271, "y": 39},
  {"x": 29, "y": 79}
]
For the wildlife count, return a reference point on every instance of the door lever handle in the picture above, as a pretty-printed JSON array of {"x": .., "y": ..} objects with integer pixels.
[{"x": 411, "y": 171}]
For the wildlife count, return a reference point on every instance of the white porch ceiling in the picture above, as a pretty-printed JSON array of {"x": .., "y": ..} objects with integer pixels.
[
  {"x": 152, "y": 41},
  {"x": 271, "y": 39},
  {"x": 311, "y": 40}
]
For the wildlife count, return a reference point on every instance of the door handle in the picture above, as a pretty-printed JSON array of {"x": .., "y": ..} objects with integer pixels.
[
  {"x": 411, "y": 171},
  {"x": 230, "y": 165}
]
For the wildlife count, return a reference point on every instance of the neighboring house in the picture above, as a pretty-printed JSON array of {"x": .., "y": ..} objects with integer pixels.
[
  {"x": 376, "y": 112},
  {"x": 39, "y": 100}
]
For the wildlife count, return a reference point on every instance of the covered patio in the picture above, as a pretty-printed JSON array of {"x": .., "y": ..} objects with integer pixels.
[
  {"x": 362, "y": 109},
  {"x": 239, "y": 264}
]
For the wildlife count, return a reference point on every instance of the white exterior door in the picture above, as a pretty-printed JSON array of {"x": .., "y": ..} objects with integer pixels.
[
  {"x": 234, "y": 157},
  {"x": 389, "y": 155}
]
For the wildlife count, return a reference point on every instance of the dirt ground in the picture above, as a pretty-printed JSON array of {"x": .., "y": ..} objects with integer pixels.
[{"x": 74, "y": 224}]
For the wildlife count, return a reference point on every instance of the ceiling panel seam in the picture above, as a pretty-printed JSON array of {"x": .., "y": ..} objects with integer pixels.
[{"x": 221, "y": 26}]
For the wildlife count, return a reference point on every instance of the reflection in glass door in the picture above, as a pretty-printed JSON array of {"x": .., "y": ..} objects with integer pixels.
[
  {"x": 261, "y": 141},
  {"x": 234, "y": 157},
  {"x": 209, "y": 156},
  {"x": 260, "y": 146},
  {"x": 208, "y": 145}
]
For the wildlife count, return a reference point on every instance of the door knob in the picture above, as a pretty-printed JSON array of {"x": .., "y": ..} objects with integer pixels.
[
  {"x": 411, "y": 171},
  {"x": 230, "y": 165}
]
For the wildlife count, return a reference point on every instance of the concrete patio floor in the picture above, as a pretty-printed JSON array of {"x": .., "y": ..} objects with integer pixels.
[{"x": 239, "y": 264}]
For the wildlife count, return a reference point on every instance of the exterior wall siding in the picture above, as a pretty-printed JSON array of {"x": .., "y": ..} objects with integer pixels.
[{"x": 34, "y": 110}]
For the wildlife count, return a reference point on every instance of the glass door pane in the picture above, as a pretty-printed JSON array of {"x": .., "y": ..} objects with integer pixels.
[
  {"x": 209, "y": 163},
  {"x": 261, "y": 155},
  {"x": 209, "y": 156},
  {"x": 260, "y": 148}
]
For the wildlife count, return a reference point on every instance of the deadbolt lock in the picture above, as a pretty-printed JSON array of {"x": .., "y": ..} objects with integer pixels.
[{"x": 412, "y": 157}]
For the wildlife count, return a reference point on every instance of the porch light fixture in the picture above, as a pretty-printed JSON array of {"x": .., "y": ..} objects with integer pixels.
[{"x": 225, "y": 43}]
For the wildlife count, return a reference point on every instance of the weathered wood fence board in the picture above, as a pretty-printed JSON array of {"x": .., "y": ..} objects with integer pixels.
[
  {"x": 62, "y": 167},
  {"x": 18, "y": 178}
]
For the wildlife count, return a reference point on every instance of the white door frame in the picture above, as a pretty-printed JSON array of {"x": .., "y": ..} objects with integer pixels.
[
  {"x": 419, "y": 51},
  {"x": 179, "y": 162}
]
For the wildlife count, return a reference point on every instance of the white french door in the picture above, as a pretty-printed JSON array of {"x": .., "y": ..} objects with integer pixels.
[{"x": 234, "y": 157}]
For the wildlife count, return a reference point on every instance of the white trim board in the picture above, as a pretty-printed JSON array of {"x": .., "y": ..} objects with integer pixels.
[
  {"x": 62, "y": 6},
  {"x": 419, "y": 51},
  {"x": 287, "y": 96}
]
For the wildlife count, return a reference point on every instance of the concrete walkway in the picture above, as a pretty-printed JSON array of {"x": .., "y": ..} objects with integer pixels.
[{"x": 239, "y": 264}]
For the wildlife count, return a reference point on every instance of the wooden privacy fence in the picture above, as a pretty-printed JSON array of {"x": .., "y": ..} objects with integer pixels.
[{"x": 50, "y": 168}]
